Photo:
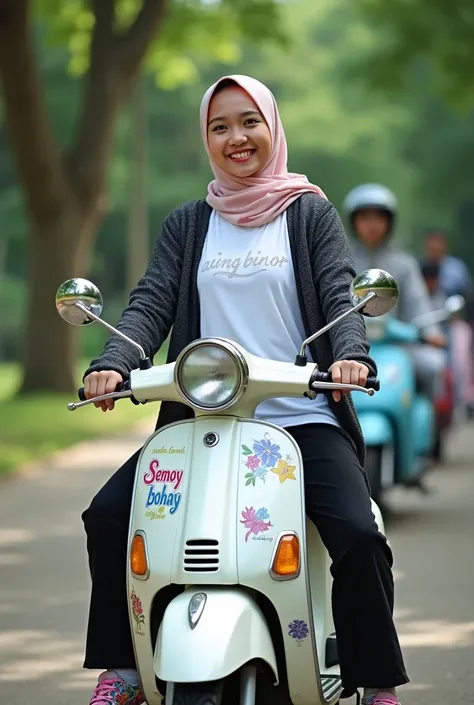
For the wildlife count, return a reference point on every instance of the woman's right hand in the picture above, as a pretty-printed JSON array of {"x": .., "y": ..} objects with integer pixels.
[{"x": 104, "y": 382}]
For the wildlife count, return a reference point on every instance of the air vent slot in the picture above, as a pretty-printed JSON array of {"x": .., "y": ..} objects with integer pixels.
[{"x": 201, "y": 556}]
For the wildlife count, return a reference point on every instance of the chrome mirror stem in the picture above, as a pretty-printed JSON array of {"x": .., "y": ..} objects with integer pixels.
[
  {"x": 355, "y": 308},
  {"x": 89, "y": 313}
]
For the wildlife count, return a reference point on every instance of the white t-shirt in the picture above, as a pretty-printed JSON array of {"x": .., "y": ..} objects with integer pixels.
[{"x": 247, "y": 292}]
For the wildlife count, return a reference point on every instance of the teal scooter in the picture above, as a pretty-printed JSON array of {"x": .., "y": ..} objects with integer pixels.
[{"x": 399, "y": 423}]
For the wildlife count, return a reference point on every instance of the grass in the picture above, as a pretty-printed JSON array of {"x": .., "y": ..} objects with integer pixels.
[{"x": 33, "y": 426}]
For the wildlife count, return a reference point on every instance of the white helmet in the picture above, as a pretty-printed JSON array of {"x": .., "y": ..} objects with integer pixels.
[{"x": 370, "y": 196}]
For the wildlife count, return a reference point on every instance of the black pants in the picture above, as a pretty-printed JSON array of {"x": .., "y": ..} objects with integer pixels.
[{"x": 337, "y": 501}]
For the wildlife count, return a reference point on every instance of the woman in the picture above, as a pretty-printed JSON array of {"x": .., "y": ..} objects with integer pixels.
[{"x": 263, "y": 261}]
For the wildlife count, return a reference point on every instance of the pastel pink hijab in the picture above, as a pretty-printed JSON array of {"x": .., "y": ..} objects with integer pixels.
[{"x": 255, "y": 200}]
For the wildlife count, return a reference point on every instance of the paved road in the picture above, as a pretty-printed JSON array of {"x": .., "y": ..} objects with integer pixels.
[{"x": 44, "y": 581}]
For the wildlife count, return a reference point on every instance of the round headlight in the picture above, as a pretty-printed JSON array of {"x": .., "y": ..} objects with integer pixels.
[{"x": 211, "y": 374}]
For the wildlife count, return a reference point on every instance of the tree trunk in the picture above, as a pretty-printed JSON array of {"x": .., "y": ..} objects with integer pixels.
[
  {"x": 57, "y": 251},
  {"x": 64, "y": 192},
  {"x": 137, "y": 236}
]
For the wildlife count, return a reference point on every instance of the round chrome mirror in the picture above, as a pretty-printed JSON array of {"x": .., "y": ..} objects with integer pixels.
[
  {"x": 78, "y": 291},
  {"x": 378, "y": 282},
  {"x": 454, "y": 304}
]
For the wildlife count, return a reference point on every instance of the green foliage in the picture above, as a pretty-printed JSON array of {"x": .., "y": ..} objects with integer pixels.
[
  {"x": 439, "y": 30},
  {"x": 33, "y": 426},
  {"x": 192, "y": 30},
  {"x": 12, "y": 304}
]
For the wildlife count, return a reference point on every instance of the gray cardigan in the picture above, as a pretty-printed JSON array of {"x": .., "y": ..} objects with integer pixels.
[{"x": 167, "y": 297}]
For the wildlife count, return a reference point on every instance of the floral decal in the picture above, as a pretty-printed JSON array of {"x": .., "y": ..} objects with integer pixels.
[
  {"x": 254, "y": 521},
  {"x": 298, "y": 630},
  {"x": 266, "y": 457},
  {"x": 137, "y": 610},
  {"x": 267, "y": 451},
  {"x": 253, "y": 463},
  {"x": 284, "y": 470}
]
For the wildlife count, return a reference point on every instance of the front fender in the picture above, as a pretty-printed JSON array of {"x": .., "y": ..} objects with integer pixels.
[
  {"x": 376, "y": 428},
  {"x": 378, "y": 517},
  {"x": 231, "y": 631}
]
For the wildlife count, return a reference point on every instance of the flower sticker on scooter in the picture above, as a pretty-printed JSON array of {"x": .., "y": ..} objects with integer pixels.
[
  {"x": 257, "y": 471},
  {"x": 298, "y": 630},
  {"x": 284, "y": 470},
  {"x": 264, "y": 455},
  {"x": 254, "y": 521},
  {"x": 137, "y": 611},
  {"x": 267, "y": 451}
]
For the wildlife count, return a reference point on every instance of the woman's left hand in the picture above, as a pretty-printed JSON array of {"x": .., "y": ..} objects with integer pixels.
[{"x": 348, "y": 372}]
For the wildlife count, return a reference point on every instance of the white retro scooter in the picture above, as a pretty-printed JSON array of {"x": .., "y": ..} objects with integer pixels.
[{"x": 218, "y": 526}]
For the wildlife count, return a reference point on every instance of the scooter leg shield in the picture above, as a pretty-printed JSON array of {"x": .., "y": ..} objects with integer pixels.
[
  {"x": 376, "y": 428},
  {"x": 378, "y": 517},
  {"x": 424, "y": 422},
  {"x": 229, "y": 632}
]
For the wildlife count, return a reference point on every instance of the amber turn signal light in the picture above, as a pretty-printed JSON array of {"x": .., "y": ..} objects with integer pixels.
[
  {"x": 286, "y": 563},
  {"x": 138, "y": 559}
]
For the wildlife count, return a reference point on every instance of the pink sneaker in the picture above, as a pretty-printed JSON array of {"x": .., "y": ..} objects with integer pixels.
[
  {"x": 115, "y": 691},
  {"x": 382, "y": 698}
]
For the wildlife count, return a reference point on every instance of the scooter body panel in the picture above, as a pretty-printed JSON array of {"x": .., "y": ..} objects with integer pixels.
[
  {"x": 212, "y": 516},
  {"x": 377, "y": 428},
  {"x": 230, "y": 632},
  {"x": 424, "y": 423},
  {"x": 397, "y": 402}
]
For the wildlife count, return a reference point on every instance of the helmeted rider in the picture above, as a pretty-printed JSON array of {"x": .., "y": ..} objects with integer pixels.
[
  {"x": 430, "y": 271},
  {"x": 371, "y": 211}
]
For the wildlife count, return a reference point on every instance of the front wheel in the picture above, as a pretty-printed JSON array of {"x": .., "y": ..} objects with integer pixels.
[{"x": 209, "y": 693}]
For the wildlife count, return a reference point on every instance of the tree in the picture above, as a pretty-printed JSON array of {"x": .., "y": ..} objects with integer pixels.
[
  {"x": 65, "y": 187},
  {"x": 438, "y": 30}
]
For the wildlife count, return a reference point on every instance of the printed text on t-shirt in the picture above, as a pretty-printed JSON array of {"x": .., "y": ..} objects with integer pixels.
[{"x": 253, "y": 264}]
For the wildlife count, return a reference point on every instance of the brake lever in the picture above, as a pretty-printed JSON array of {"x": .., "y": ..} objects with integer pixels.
[
  {"x": 342, "y": 387},
  {"x": 72, "y": 405}
]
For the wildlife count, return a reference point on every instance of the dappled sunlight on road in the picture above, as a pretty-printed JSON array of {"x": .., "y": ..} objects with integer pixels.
[
  {"x": 11, "y": 559},
  {"x": 9, "y": 537},
  {"x": 436, "y": 633},
  {"x": 44, "y": 585},
  {"x": 29, "y": 656},
  {"x": 432, "y": 540}
]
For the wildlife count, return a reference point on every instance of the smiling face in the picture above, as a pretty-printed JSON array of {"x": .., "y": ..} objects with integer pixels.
[{"x": 238, "y": 136}]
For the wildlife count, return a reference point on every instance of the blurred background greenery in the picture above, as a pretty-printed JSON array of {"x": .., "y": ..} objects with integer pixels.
[{"x": 99, "y": 140}]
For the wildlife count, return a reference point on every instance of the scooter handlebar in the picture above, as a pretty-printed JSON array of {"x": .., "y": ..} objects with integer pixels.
[
  {"x": 124, "y": 389},
  {"x": 121, "y": 387},
  {"x": 372, "y": 382}
]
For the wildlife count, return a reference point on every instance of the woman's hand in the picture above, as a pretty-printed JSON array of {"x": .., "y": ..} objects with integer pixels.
[
  {"x": 348, "y": 372},
  {"x": 98, "y": 383}
]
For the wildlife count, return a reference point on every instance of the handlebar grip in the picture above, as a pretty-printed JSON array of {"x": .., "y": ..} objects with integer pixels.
[
  {"x": 372, "y": 382},
  {"x": 121, "y": 386}
]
